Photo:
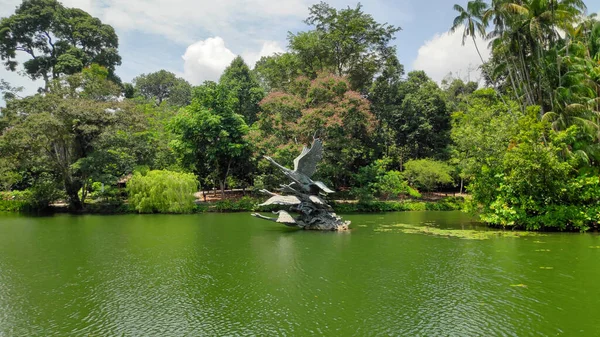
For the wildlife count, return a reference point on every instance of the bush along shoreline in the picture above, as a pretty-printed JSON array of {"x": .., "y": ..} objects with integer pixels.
[{"x": 243, "y": 204}]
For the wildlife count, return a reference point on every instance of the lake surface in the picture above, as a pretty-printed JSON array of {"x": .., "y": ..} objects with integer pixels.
[{"x": 232, "y": 274}]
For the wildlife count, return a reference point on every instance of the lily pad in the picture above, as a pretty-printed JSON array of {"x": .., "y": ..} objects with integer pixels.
[
  {"x": 468, "y": 234},
  {"x": 520, "y": 285}
]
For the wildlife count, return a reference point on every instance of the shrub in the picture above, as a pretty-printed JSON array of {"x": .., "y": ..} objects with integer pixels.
[
  {"x": 13, "y": 205},
  {"x": 446, "y": 204},
  {"x": 162, "y": 191},
  {"x": 375, "y": 179},
  {"x": 427, "y": 174},
  {"x": 244, "y": 204},
  {"x": 44, "y": 191},
  {"x": 392, "y": 183}
]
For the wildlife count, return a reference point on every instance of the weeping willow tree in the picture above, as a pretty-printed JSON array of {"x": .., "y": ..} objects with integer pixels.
[{"x": 162, "y": 191}]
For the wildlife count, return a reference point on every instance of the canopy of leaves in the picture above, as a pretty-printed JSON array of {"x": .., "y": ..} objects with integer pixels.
[
  {"x": 209, "y": 135},
  {"x": 163, "y": 86},
  {"x": 58, "y": 40},
  {"x": 325, "y": 107},
  {"x": 277, "y": 72},
  {"x": 65, "y": 131},
  {"x": 483, "y": 132},
  {"x": 427, "y": 175},
  {"x": 413, "y": 112},
  {"x": 238, "y": 78},
  {"x": 346, "y": 42}
]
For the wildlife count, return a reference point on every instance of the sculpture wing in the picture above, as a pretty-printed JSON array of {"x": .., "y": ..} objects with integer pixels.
[
  {"x": 306, "y": 162},
  {"x": 302, "y": 154},
  {"x": 285, "y": 218},
  {"x": 281, "y": 200},
  {"x": 323, "y": 187}
]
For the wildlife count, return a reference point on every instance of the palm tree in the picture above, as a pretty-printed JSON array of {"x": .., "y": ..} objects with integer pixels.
[
  {"x": 531, "y": 29},
  {"x": 471, "y": 20}
]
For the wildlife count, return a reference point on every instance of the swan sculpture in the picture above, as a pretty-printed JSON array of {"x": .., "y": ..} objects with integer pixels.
[
  {"x": 305, "y": 166},
  {"x": 304, "y": 195}
]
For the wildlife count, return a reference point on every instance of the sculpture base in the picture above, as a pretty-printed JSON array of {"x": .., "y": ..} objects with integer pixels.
[
  {"x": 318, "y": 221},
  {"x": 322, "y": 221},
  {"x": 344, "y": 226}
]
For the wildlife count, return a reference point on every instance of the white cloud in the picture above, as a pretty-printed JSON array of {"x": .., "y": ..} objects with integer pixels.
[
  {"x": 186, "y": 20},
  {"x": 268, "y": 48},
  {"x": 444, "y": 54},
  {"x": 206, "y": 59}
]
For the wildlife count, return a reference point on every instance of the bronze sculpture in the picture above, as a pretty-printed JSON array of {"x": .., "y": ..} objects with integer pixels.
[{"x": 304, "y": 195}]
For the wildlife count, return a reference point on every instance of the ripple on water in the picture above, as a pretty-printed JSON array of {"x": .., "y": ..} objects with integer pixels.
[{"x": 205, "y": 275}]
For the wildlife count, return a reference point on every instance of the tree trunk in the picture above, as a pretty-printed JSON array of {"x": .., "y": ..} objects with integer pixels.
[
  {"x": 72, "y": 190},
  {"x": 222, "y": 183},
  {"x": 46, "y": 82},
  {"x": 486, "y": 74}
]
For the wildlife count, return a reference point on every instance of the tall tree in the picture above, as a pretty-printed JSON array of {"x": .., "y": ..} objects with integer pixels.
[
  {"x": 422, "y": 122},
  {"x": 524, "y": 36},
  {"x": 346, "y": 42},
  {"x": 277, "y": 72},
  {"x": 210, "y": 135},
  {"x": 325, "y": 107},
  {"x": 163, "y": 86},
  {"x": 57, "y": 39},
  {"x": 238, "y": 78},
  {"x": 385, "y": 99},
  {"x": 64, "y": 129},
  {"x": 470, "y": 19}
]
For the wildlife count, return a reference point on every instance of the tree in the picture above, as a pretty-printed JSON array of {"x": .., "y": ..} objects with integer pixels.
[
  {"x": 421, "y": 121},
  {"x": 471, "y": 20},
  {"x": 238, "y": 78},
  {"x": 427, "y": 175},
  {"x": 163, "y": 86},
  {"x": 481, "y": 133},
  {"x": 524, "y": 36},
  {"x": 277, "y": 72},
  {"x": 8, "y": 91},
  {"x": 325, "y": 107},
  {"x": 60, "y": 132},
  {"x": 57, "y": 39},
  {"x": 210, "y": 135},
  {"x": 535, "y": 186},
  {"x": 345, "y": 42},
  {"x": 457, "y": 92}
]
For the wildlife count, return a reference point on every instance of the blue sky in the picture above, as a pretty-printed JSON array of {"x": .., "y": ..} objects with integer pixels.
[{"x": 197, "y": 38}]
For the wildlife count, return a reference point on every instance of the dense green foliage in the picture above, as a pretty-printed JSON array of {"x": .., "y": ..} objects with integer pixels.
[
  {"x": 69, "y": 133},
  {"x": 529, "y": 150},
  {"x": 428, "y": 175},
  {"x": 210, "y": 135},
  {"x": 325, "y": 107},
  {"x": 162, "y": 192},
  {"x": 525, "y": 148},
  {"x": 58, "y": 40},
  {"x": 162, "y": 86},
  {"x": 239, "y": 80}
]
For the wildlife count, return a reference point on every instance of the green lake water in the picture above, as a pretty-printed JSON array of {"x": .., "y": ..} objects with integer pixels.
[{"x": 232, "y": 274}]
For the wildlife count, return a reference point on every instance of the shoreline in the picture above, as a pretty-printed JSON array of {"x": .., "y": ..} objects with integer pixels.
[{"x": 247, "y": 204}]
